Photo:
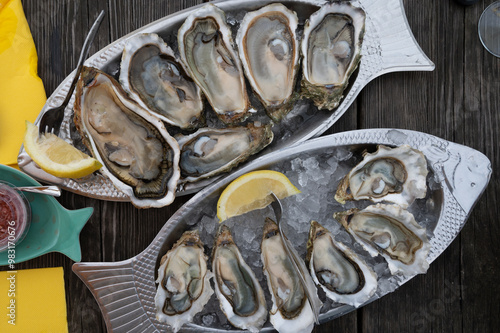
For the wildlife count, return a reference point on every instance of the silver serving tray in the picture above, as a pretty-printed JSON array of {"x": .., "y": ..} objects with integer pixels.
[
  {"x": 388, "y": 46},
  {"x": 458, "y": 175}
]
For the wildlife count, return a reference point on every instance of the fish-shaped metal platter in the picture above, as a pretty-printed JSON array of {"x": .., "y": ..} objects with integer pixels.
[
  {"x": 457, "y": 177},
  {"x": 388, "y": 46}
]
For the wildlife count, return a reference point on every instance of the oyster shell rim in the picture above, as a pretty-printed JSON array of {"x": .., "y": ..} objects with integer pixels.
[
  {"x": 259, "y": 318},
  {"x": 323, "y": 96},
  {"x": 420, "y": 264},
  {"x": 128, "y": 53},
  {"x": 267, "y": 138},
  {"x": 200, "y": 302},
  {"x": 306, "y": 316},
  {"x": 275, "y": 112},
  {"x": 169, "y": 195},
  {"x": 358, "y": 298},
  {"x": 210, "y": 10},
  {"x": 414, "y": 187}
]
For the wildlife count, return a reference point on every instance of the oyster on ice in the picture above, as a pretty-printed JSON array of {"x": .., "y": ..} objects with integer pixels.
[
  {"x": 331, "y": 50},
  {"x": 136, "y": 151},
  {"x": 269, "y": 52},
  {"x": 183, "y": 282},
  {"x": 211, "y": 151},
  {"x": 391, "y": 231},
  {"x": 240, "y": 295},
  {"x": 344, "y": 277},
  {"x": 291, "y": 311},
  {"x": 205, "y": 46},
  {"x": 158, "y": 81},
  {"x": 396, "y": 174}
]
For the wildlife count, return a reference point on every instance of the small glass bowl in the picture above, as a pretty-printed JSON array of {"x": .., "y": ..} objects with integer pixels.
[{"x": 15, "y": 216}]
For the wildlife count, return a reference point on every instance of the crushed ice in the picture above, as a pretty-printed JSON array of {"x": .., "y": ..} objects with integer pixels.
[{"x": 317, "y": 175}]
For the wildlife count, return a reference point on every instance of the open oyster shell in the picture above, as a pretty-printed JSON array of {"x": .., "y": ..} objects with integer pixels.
[
  {"x": 391, "y": 231},
  {"x": 269, "y": 52},
  {"x": 158, "y": 81},
  {"x": 331, "y": 50},
  {"x": 205, "y": 46},
  {"x": 136, "y": 151},
  {"x": 291, "y": 311},
  {"x": 396, "y": 175},
  {"x": 211, "y": 151},
  {"x": 240, "y": 295},
  {"x": 183, "y": 282},
  {"x": 344, "y": 277}
]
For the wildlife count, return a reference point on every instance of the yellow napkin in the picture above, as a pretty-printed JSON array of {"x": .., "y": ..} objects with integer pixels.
[
  {"x": 39, "y": 301},
  {"x": 22, "y": 95}
]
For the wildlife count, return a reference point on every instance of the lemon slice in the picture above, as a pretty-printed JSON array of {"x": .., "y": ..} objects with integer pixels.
[
  {"x": 251, "y": 191},
  {"x": 56, "y": 156}
]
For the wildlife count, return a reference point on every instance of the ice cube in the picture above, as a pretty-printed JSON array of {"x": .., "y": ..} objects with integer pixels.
[
  {"x": 311, "y": 163},
  {"x": 296, "y": 164},
  {"x": 332, "y": 163},
  {"x": 343, "y": 154},
  {"x": 303, "y": 179}
]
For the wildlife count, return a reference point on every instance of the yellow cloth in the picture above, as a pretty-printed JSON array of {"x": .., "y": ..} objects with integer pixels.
[
  {"x": 39, "y": 301},
  {"x": 22, "y": 95}
]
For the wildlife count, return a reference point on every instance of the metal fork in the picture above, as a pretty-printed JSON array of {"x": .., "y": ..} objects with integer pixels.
[
  {"x": 52, "y": 118},
  {"x": 278, "y": 211},
  {"x": 49, "y": 190}
]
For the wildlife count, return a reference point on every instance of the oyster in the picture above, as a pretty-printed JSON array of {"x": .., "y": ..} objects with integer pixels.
[
  {"x": 269, "y": 52},
  {"x": 331, "y": 47},
  {"x": 205, "y": 46},
  {"x": 159, "y": 82},
  {"x": 240, "y": 295},
  {"x": 391, "y": 231},
  {"x": 151, "y": 74},
  {"x": 135, "y": 149},
  {"x": 344, "y": 277},
  {"x": 291, "y": 311},
  {"x": 397, "y": 175},
  {"x": 209, "y": 151},
  {"x": 183, "y": 282}
]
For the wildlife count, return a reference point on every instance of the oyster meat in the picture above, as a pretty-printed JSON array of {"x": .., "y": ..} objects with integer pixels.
[
  {"x": 391, "y": 231},
  {"x": 183, "y": 282},
  {"x": 291, "y": 311},
  {"x": 211, "y": 151},
  {"x": 396, "y": 175},
  {"x": 136, "y": 151},
  {"x": 331, "y": 50},
  {"x": 344, "y": 277},
  {"x": 205, "y": 46},
  {"x": 240, "y": 295},
  {"x": 269, "y": 52},
  {"x": 151, "y": 74}
]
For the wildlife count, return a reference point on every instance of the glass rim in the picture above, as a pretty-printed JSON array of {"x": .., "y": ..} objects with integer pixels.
[
  {"x": 481, "y": 20},
  {"x": 22, "y": 203}
]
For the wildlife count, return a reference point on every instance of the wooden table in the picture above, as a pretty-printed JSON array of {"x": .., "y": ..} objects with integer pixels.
[{"x": 458, "y": 102}]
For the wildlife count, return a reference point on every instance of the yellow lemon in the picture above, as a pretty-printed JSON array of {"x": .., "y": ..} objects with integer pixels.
[
  {"x": 56, "y": 156},
  {"x": 251, "y": 191}
]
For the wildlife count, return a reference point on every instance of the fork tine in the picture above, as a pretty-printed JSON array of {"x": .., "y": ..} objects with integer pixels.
[{"x": 52, "y": 119}]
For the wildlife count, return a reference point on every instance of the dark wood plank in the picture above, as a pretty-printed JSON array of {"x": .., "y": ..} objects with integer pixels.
[{"x": 481, "y": 122}]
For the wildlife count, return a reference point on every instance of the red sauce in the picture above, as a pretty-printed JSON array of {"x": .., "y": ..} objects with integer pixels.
[
  {"x": 14, "y": 216},
  {"x": 7, "y": 214}
]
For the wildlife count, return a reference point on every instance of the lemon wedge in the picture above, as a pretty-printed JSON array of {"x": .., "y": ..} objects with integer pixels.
[
  {"x": 56, "y": 156},
  {"x": 251, "y": 191}
]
